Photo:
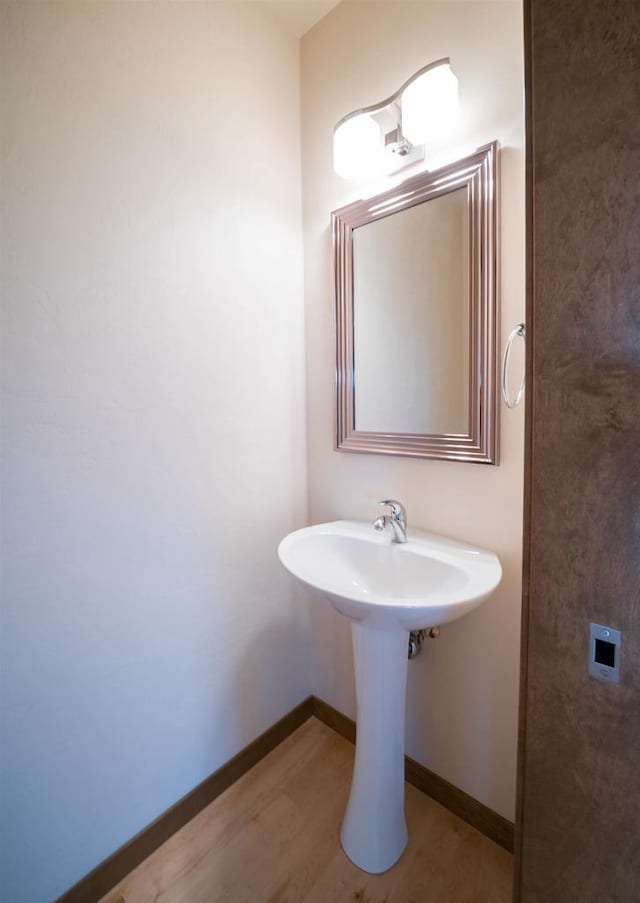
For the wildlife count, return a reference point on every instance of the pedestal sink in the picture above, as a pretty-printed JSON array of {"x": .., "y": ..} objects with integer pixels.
[{"x": 386, "y": 590}]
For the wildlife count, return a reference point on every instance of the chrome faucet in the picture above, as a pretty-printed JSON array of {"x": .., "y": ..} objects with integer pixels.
[{"x": 397, "y": 520}]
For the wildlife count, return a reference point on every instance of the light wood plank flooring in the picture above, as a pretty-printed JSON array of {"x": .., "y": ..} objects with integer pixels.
[{"x": 273, "y": 837}]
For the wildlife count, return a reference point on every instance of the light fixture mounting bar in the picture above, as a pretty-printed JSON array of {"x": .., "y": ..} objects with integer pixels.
[{"x": 373, "y": 108}]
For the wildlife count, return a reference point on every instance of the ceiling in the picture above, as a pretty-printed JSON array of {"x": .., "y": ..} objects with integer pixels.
[{"x": 298, "y": 16}]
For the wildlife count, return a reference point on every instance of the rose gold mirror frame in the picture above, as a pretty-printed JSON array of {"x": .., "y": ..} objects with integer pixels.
[{"x": 479, "y": 174}]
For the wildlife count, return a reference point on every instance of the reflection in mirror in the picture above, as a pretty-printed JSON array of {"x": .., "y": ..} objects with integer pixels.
[
  {"x": 415, "y": 273},
  {"x": 411, "y": 319}
]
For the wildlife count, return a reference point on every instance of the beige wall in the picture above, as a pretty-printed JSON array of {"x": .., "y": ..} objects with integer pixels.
[
  {"x": 463, "y": 690},
  {"x": 153, "y": 414}
]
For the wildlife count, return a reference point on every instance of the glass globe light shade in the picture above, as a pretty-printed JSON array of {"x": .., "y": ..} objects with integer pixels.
[
  {"x": 430, "y": 105},
  {"x": 357, "y": 148}
]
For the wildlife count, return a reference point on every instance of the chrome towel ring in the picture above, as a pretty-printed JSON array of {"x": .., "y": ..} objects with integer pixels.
[{"x": 517, "y": 331}]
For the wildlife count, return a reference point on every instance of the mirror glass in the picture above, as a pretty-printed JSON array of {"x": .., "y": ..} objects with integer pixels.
[
  {"x": 415, "y": 274},
  {"x": 411, "y": 319}
]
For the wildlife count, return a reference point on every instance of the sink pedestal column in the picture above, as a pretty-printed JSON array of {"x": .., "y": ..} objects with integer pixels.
[{"x": 374, "y": 831}]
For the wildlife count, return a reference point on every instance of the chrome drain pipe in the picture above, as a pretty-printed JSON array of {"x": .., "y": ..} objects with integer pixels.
[{"x": 417, "y": 636}]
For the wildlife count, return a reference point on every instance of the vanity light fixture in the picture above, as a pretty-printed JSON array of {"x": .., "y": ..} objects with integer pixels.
[{"x": 387, "y": 136}]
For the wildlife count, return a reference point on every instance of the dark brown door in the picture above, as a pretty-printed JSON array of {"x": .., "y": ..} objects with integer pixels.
[{"x": 578, "y": 833}]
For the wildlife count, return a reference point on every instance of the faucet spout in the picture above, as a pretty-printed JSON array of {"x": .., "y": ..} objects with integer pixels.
[{"x": 397, "y": 520}]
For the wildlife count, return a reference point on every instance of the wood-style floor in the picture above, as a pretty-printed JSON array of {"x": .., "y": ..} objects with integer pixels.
[{"x": 273, "y": 837}]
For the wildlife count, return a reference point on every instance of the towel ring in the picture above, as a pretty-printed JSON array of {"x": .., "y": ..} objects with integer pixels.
[{"x": 517, "y": 331}]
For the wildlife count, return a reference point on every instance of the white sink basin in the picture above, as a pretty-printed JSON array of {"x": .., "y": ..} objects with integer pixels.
[
  {"x": 426, "y": 581},
  {"x": 385, "y": 589}
]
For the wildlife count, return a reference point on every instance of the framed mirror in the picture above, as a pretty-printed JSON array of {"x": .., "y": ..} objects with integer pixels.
[{"x": 415, "y": 282}]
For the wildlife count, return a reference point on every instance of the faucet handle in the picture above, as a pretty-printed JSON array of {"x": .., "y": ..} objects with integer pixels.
[{"x": 398, "y": 511}]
